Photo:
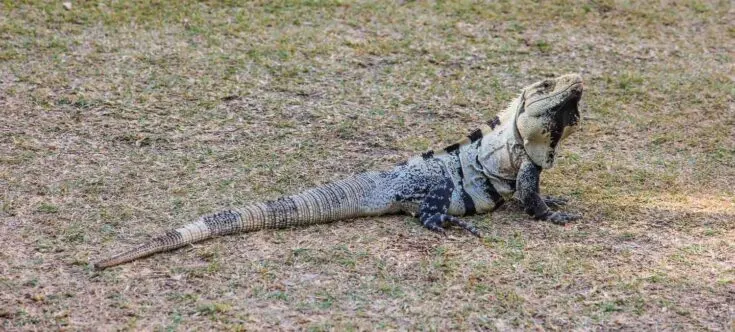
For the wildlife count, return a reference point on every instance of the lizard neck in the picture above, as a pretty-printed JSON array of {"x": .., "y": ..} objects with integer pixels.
[{"x": 501, "y": 152}]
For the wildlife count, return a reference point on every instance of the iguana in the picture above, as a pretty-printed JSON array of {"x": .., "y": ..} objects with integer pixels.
[{"x": 475, "y": 175}]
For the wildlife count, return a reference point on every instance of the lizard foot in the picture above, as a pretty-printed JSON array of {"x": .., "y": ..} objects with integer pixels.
[
  {"x": 561, "y": 218},
  {"x": 555, "y": 202},
  {"x": 435, "y": 223}
]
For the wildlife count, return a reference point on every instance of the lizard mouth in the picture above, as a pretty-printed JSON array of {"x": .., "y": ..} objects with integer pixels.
[
  {"x": 575, "y": 91},
  {"x": 570, "y": 103}
]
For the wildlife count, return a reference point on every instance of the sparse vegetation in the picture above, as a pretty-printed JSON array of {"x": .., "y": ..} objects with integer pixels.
[{"x": 121, "y": 119}]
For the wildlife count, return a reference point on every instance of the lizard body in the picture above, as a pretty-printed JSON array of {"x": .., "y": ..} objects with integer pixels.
[{"x": 475, "y": 175}]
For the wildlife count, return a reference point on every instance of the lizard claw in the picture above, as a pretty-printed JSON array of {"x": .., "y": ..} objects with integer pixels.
[
  {"x": 437, "y": 229},
  {"x": 435, "y": 223},
  {"x": 465, "y": 225},
  {"x": 561, "y": 218},
  {"x": 555, "y": 202}
]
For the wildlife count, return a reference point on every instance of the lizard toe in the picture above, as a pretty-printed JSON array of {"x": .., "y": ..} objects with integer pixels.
[
  {"x": 561, "y": 218},
  {"x": 555, "y": 202},
  {"x": 464, "y": 225}
]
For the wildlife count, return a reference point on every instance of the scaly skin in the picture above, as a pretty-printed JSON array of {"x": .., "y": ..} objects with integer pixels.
[{"x": 476, "y": 175}]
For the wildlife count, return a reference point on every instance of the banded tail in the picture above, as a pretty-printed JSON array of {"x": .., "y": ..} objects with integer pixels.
[{"x": 348, "y": 198}]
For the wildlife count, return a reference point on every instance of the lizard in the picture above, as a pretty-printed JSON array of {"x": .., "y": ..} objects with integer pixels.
[{"x": 501, "y": 160}]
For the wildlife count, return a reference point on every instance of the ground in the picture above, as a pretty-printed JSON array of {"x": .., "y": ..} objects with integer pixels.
[{"x": 120, "y": 120}]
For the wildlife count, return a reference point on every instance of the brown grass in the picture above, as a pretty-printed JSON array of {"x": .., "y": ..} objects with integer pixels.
[{"x": 120, "y": 120}]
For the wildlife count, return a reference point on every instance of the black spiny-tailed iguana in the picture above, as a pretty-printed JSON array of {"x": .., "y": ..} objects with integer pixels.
[{"x": 475, "y": 175}]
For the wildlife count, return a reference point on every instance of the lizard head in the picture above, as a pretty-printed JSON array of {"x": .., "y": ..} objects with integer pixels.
[{"x": 547, "y": 114}]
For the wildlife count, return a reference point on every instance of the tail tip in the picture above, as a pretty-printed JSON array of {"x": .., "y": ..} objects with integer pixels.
[{"x": 99, "y": 265}]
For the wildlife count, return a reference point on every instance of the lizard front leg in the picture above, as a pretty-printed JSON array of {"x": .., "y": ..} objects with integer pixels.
[
  {"x": 527, "y": 183},
  {"x": 433, "y": 209}
]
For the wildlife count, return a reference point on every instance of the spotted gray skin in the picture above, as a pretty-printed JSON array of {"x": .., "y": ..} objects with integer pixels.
[{"x": 505, "y": 157}]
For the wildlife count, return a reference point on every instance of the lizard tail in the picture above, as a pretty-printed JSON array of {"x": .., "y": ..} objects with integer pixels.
[{"x": 348, "y": 198}]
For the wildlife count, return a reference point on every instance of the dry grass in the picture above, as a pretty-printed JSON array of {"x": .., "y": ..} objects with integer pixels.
[{"x": 120, "y": 120}]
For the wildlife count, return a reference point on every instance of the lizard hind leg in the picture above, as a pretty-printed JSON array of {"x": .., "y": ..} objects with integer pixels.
[{"x": 433, "y": 210}]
